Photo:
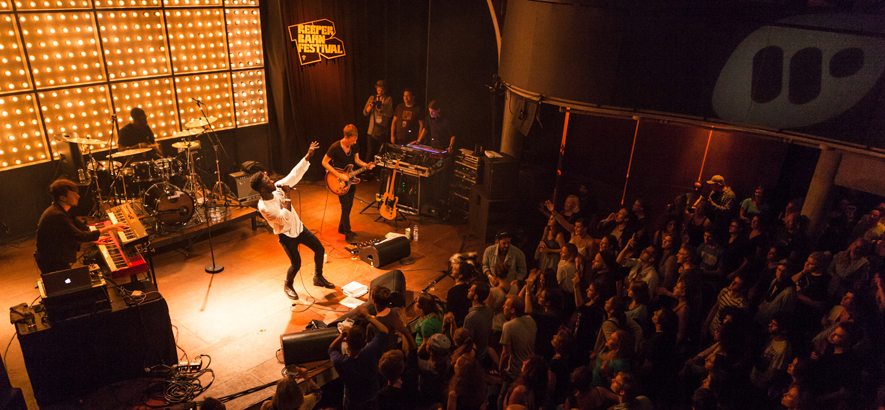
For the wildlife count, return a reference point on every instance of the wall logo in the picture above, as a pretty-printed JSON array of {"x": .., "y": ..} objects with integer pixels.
[
  {"x": 787, "y": 77},
  {"x": 316, "y": 39}
]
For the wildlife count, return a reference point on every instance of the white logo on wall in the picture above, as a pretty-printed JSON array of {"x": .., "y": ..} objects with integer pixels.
[{"x": 787, "y": 77}]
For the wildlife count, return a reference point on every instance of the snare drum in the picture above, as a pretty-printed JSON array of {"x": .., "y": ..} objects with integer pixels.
[
  {"x": 145, "y": 171},
  {"x": 169, "y": 204},
  {"x": 167, "y": 168}
]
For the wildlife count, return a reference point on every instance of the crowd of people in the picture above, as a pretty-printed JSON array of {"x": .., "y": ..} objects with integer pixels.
[{"x": 718, "y": 304}]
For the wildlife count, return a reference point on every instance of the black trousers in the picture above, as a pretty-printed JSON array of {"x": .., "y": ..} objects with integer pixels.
[
  {"x": 290, "y": 245},
  {"x": 346, "y": 201}
]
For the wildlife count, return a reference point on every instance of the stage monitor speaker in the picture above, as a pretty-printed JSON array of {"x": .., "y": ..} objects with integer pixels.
[
  {"x": 243, "y": 191},
  {"x": 307, "y": 346},
  {"x": 386, "y": 251},
  {"x": 487, "y": 216},
  {"x": 500, "y": 177}
]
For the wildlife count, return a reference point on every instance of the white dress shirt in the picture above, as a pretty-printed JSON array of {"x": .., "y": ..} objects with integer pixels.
[{"x": 281, "y": 219}]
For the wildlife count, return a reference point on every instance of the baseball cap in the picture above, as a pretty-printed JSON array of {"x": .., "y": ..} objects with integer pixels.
[{"x": 717, "y": 179}]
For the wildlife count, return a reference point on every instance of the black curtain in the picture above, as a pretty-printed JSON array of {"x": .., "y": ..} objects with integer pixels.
[{"x": 382, "y": 40}]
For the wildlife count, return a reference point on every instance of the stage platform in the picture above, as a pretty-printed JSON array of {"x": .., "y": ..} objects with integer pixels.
[{"x": 238, "y": 315}]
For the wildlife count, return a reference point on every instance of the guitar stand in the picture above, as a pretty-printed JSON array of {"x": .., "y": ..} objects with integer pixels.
[
  {"x": 374, "y": 203},
  {"x": 395, "y": 219}
]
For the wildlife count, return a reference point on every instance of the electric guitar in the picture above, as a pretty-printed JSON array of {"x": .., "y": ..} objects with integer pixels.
[
  {"x": 339, "y": 187},
  {"x": 389, "y": 201}
]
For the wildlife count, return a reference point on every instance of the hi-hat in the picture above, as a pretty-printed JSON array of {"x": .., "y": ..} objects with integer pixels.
[
  {"x": 187, "y": 133},
  {"x": 129, "y": 152},
  {"x": 200, "y": 122},
  {"x": 77, "y": 140},
  {"x": 186, "y": 144}
]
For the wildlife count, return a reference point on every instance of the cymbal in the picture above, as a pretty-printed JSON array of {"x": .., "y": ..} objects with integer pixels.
[
  {"x": 187, "y": 133},
  {"x": 185, "y": 145},
  {"x": 102, "y": 165},
  {"x": 129, "y": 152},
  {"x": 77, "y": 140},
  {"x": 200, "y": 122}
]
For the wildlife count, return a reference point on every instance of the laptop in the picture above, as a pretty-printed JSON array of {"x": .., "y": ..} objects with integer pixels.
[{"x": 66, "y": 281}]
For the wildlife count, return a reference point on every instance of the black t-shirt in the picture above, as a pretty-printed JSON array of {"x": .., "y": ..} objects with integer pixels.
[
  {"x": 457, "y": 302},
  {"x": 133, "y": 134},
  {"x": 439, "y": 133},
  {"x": 340, "y": 159},
  {"x": 407, "y": 126}
]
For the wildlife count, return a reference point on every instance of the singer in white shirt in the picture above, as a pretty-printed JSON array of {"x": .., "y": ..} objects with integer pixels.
[{"x": 276, "y": 207}]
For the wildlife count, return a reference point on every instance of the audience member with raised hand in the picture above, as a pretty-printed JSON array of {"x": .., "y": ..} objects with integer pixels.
[
  {"x": 358, "y": 369},
  {"x": 289, "y": 395},
  {"x": 641, "y": 268},
  {"x": 552, "y": 241},
  {"x": 619, "y": 225},
  {"x": 571, "y": 209},
  {"x": 467, "y": 389},
  {"x": 530, "y": 388},
  {"x": 547, "y": 316}
]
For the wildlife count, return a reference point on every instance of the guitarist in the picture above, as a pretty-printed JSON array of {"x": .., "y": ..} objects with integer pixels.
[{"x": 342, "y": 153}]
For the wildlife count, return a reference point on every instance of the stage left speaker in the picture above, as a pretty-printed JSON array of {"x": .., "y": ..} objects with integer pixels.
[{"x": 385, "y": 252}]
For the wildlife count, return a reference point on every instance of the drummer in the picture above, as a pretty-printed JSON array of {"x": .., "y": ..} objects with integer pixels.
[{"x": 138, "y": 134}]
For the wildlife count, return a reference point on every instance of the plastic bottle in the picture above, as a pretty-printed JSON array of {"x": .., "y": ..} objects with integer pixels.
[
  {"x": 415, "y": 233},
  {"x": 408, "y": 233}
]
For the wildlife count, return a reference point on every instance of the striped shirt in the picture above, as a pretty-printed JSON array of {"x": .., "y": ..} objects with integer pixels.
[{"x": 724, "y": 300}]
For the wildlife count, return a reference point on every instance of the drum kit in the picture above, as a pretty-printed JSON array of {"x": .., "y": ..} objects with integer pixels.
[{"x": 169, "y": 188}]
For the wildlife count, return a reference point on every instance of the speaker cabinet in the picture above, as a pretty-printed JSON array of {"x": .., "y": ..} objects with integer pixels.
[
  {"x": 487, "y": 216},
  {"x": 307, "y": 346},
  {"x": 500, "y": 177},
  {"x": 386, "y": 251}
]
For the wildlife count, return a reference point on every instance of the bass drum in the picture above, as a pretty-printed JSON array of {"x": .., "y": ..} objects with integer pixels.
[{"x": 169, "y": 204}]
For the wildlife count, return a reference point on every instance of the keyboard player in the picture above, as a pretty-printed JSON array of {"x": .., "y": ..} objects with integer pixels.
[
  {"x": 437, "y": 133},
  {"x": 59, "y": 235}
]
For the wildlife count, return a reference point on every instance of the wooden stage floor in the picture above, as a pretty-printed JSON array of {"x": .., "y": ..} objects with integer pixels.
[{"x": 238, "y": 315}]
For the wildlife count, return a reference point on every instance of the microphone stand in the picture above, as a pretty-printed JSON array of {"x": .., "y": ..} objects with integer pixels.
[
  {"x": 223, "y": 190},
  {"x": 214, "y": 267}
]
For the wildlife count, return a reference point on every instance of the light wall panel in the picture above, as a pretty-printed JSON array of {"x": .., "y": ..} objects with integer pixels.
[
  {"x": 213, "y": 90},
  {"x": 83, "y": 112},
  {"x": 155, "y": 96},
  {"x": 13, "y": 70},
  {"x": 244, "y": 38},
  {"x": 62, "y": 48},
  {"x": 68, "y": 66},
  {"x": 21, "y": 135},
  {"x": 196, "y": 39},
  {"x": 134, "y": 43},
  {"x": 249, "y": 97}
]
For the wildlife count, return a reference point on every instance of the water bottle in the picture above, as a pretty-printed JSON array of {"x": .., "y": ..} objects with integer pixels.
[
  {"x": 415, "y": 233},
  {"x": 82, "y": 176}
]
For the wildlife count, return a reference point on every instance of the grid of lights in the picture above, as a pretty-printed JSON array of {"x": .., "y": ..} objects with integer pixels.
[
  {"x": 68, "y": 66},
  {"x": 244, "y": 38},
  {"x": 21, "y": 137},
  {"x": 214, "y": 92},
  {"x": 134, "y": 43},
  {"x": 196, "y": 38},
  {"x": 249, "y": 97}
]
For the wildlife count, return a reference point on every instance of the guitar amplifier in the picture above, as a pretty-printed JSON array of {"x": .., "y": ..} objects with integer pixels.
[
  {"x": 386, "y": 251},
  {"x": 243, "y": 190}
]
